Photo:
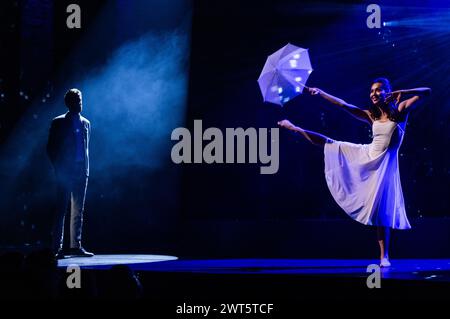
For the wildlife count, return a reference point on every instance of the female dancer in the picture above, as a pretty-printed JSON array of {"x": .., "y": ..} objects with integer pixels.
[{"x": 364, "y": 179}]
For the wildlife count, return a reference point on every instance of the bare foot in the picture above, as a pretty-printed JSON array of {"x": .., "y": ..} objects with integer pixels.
[{"x": 287, "y": 124}]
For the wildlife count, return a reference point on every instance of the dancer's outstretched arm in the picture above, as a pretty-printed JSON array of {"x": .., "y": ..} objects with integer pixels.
[
  {"x": 355, "y": 111},
  {"x": 414, "y": 96}
]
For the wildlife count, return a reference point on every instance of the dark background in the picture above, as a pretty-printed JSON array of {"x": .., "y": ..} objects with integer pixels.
[{"x": 224, "y": 208}]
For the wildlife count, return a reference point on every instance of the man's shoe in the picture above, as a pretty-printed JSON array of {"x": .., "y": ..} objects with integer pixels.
[
  {"x": 60, "y": 254},
  {"x": 79, "y": 252}
]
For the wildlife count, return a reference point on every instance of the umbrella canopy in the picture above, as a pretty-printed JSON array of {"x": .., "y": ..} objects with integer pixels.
[{"x": 285, "y": 74}]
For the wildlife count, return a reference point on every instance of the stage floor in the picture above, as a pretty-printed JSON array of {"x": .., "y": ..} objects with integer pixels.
[{"x": 403, "y": 269}]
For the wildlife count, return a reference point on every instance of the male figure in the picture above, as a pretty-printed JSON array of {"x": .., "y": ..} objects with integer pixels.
[{"x": 68, "y": 150}]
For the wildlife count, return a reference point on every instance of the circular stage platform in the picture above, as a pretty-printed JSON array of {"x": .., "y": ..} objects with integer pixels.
[{"x": 107, "y": 261}]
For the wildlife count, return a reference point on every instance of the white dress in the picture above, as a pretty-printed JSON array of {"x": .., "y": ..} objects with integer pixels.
[{"x": 364, "y": 179}]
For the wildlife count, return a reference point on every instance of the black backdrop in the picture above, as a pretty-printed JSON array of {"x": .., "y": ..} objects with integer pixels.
[{"x": 132, "y": 208}]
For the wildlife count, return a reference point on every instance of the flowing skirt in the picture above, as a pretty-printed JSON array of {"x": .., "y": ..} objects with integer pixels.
[{"x": 365, "y": 186}]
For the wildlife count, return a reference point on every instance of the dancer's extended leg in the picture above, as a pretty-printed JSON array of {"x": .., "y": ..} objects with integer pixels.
[{"x": 314, "y": 137}]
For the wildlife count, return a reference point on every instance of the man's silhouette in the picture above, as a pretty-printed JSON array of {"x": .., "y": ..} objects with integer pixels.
[{"x": 68, "y": 150}]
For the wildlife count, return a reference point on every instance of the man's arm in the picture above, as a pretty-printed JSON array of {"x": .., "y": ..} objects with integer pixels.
[
  {"x": 88, "y": 135},
  {"x": 355, "y": 111}
]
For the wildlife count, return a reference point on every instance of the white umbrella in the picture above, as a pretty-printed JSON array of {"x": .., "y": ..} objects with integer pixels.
[{"x": 285, "y": 74}]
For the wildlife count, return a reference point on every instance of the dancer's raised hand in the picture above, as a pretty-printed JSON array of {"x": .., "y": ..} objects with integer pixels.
[
  {"x": 394, "y": 97},
  {"x": 314, "y": 91}
]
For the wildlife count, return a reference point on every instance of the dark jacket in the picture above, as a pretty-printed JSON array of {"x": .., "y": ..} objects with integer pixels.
[{"x": 61, "y": 146}]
